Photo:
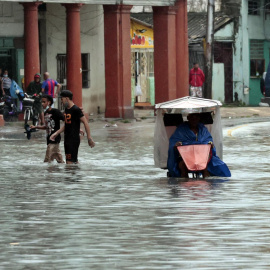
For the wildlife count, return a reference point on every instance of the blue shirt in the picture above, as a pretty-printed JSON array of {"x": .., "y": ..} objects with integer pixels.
[{"x": 48, "y": 87}]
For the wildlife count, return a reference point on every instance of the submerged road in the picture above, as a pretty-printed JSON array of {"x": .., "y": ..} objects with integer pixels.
[{"x": 117, "y": 211}]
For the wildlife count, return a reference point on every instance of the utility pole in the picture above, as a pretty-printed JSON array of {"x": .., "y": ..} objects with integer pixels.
[{"x": 209, "y": 49}]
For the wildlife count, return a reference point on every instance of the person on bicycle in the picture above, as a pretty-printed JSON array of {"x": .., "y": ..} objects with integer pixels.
[{"x": 34, "y": 89}]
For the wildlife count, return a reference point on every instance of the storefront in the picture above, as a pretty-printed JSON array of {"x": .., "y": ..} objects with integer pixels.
[{"x": 142, "y": 68}]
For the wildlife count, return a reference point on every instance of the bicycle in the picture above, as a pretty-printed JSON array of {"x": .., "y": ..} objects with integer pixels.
[{"x": 29, "y": 110}]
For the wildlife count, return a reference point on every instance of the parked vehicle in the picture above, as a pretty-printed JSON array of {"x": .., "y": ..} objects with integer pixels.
[
  {"x": 8, "y": 108},
  {"x": 8, "y": 104}
]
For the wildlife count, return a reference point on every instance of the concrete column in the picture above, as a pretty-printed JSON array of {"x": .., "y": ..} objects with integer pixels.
[
  {"x": 165, "y": 53},
  {"x": 31, "y": 41},
  {"x": 117, "y": 61},
  {"x": 182, "y": 53},
  {"x": 74, "y": 62}
]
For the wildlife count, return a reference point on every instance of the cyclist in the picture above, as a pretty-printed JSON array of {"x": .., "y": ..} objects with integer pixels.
[{"x": 34, "y": 88}]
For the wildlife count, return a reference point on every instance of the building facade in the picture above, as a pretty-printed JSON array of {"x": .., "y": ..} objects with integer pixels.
[
  {"x": 256, "y": 33},
  {"x": 142, "y": 61},
  {"x": 241, "y": 50},
  {"x": 86, "y": 46}
]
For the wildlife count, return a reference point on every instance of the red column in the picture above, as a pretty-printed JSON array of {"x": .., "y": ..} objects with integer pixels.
[
  {"x": 117, "y": 61},
  {"x": 165, "y": 53},
  {"x": 31, "y": 41},
  {"x": 74, "y": 62},
  {"x": 182, "y": 54}
]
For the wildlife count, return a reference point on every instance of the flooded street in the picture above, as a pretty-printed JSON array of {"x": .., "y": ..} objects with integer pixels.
[{"x": 117, "y": 211}]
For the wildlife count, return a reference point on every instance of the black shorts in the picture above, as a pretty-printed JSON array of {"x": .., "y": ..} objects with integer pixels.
[{"x": 71, "y": 151}]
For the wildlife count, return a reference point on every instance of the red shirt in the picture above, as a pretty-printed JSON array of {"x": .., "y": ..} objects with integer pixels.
[{"x": 196, "y": 77}]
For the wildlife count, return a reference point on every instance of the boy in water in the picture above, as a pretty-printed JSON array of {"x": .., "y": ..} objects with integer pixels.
[
  {"x": 73, "y": 118},
  {"x": 52, "y": 124}
]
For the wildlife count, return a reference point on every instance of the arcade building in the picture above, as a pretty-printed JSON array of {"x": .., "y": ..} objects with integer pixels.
[{"x": 86, "y": 46}]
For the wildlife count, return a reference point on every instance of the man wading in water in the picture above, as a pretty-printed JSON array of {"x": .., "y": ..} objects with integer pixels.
[{"x": 73, "y": 118}]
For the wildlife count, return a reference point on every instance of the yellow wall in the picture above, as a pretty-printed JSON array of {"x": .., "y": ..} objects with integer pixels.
[{"x": 141, "y": 40}]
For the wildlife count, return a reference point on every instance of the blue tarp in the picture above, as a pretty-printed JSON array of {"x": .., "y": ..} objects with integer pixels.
[
  {"x": 14, "y": 86},
  {"x": 183, "y": 134}
]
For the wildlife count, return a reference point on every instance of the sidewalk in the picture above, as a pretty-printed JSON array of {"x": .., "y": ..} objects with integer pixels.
[
  {"x": 226, "y": 112},
  {"x": 240, "y": 112}
]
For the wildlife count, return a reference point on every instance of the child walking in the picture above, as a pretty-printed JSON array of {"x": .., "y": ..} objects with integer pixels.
[{"x": 52, "y": 118}]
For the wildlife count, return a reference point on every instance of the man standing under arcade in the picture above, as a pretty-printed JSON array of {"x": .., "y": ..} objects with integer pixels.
[
  {"x": 196, "y": 80},
  {"x": 48, "y": 86}
]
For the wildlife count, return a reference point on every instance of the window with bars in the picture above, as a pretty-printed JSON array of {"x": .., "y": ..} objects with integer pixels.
[
  {"x": 267, "y": 6},
  {"x": 85, "y": 70},
  {"x": 62, "y": 69},
  {"x": 257, "y": 61},
  {"x": 254, "y": 7}
]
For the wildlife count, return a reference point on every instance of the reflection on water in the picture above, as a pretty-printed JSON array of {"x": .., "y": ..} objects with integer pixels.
[{"x": 115, "y": 210}]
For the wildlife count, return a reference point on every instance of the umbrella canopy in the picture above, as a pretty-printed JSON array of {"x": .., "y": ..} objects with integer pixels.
[{"x": 190, "y": 103}]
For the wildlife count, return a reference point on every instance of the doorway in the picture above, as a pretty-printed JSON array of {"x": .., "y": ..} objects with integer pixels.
[
  {"x": 223, "y": 53},
  {"x": 142, "y": 76}
]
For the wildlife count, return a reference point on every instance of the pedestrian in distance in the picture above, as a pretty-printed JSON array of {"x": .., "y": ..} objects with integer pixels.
[
  {"x": 52, "y": 124},
  {"x": 196, "y": 80},
  {"x": 6, "y": 83},
  {"x": 48, "y": 86},
  {"x": 73, "y": 117},
  {"x": 34, "y": 88}
]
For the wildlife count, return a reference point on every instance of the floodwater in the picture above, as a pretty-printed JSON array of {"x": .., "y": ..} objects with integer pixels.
[{"x": 117, "y": 211}]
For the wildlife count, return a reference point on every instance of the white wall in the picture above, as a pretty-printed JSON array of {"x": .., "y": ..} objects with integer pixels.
[
  {"x": 92, "y": 41},
  {"x": 225, "y": 33},
  {"x": 218, "y": 82},
  {"x": 11, "y": 20}
]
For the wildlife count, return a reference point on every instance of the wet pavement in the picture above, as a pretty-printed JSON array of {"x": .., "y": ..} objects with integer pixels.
[{"x": 117, "y": 211}]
